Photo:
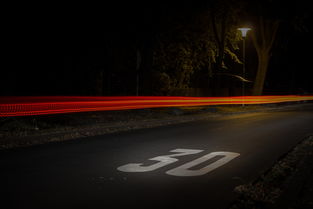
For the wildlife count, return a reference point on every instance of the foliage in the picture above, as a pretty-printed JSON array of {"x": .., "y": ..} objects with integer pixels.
[
  {"x": 192, "y": 46},
  {"x": 180, "y": 53},
  {"x": 223, "y": 15}
]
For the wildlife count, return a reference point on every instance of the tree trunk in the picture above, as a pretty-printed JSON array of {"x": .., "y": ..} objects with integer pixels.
[
  {"x": 258, "y": 86},
  {"x": 263, "y": 41}
]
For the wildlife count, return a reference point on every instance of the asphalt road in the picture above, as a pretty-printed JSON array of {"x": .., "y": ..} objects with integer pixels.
[{"x": 195, "y": 165}]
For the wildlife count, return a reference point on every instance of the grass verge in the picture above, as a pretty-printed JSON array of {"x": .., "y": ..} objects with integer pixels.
[{"x": 288, "y": 184}]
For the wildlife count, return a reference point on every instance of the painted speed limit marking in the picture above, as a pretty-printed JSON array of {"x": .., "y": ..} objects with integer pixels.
[{"x": 185, "y": 169}]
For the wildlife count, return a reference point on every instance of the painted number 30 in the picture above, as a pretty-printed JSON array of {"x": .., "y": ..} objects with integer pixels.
[{"x": 185, "y": 169}]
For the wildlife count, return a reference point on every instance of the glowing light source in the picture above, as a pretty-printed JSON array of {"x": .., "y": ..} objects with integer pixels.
[
  {"x": 244, "y": 31},
  {"x": 24, "y": 106}
]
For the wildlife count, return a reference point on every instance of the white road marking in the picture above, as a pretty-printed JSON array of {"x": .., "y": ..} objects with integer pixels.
[
  {"x": 185, "y": 169},
  {"x": 163, "y": 161}
]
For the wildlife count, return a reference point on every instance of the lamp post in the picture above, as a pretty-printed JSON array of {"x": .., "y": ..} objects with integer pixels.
[{"x": 244, "y": 32}]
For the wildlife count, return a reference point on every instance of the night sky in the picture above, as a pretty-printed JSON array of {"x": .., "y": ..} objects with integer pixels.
[{"x": 39, "y": 41}]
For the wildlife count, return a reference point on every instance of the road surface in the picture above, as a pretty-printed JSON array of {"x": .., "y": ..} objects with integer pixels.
[{"x": 190, "y": 165}]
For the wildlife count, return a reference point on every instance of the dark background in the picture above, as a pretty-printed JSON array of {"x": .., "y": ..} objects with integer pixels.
[{"x": 58, "y": 49}]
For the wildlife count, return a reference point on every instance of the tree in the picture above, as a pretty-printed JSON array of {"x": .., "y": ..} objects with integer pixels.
[
  {"x": 197, "y": 42},
  {"x": 223, "y": 15},
  {"x": 268, "y": 16},
  {"x": 184, "y": 49},
  {"x": 266, "y": 23},
  {"x": 263, "y": 38}
]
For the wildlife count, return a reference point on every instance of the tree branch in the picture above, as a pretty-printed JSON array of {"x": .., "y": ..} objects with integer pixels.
[
  {"x": 273, "y": 35},
  {"x": 213, "y": 19},
  {"x": 262, "y": 30}
]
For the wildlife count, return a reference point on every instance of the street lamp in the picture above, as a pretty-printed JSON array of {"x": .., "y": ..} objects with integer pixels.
[{"x": 244, "y": 32}]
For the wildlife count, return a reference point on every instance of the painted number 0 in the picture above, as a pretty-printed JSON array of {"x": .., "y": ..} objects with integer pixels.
[{"x": 185, "y": 169}]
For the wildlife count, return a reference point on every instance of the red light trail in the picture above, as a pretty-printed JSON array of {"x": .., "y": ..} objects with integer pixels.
[{"x": 24, "y": 106}]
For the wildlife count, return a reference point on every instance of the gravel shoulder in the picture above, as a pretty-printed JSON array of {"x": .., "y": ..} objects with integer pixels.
[
  {"x": 287, "y": 185},
  {"x": 33, "y": 130}
]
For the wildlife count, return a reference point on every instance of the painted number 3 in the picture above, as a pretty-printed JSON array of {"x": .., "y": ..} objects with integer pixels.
[{"x": 185, "y": 169}]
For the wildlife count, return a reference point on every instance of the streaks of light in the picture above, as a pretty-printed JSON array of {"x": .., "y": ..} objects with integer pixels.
[{"x": 24, "y": 106}]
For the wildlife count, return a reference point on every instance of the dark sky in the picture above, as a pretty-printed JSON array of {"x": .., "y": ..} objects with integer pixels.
[
  {"x": 47, "y": 31},
  {"x": 37, "y": 37}
]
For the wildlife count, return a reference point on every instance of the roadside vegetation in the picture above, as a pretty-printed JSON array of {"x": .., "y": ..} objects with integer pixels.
[{"x": 288, "y": 184}]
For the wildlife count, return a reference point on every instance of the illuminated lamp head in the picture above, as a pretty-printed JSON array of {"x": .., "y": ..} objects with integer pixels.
[{"x": 244, "y": 31}]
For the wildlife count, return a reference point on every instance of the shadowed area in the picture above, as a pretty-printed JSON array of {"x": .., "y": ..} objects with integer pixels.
[{"x": 83, "y": 173}]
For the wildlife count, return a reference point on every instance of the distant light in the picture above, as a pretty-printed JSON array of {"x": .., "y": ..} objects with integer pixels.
[{"x": 244, "y": 31}]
